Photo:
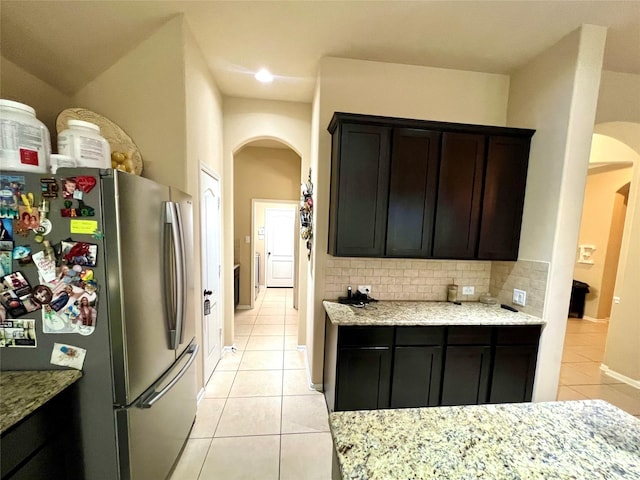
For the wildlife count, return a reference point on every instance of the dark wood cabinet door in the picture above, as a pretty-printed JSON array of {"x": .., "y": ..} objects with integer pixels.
[
  {"x": 465, "y": 379},
  {"x": 363, "y": 378},
  {"x": 459, "y": 195},
  {"x": 412, "y": 192},
  {"x": 359, "y": 190},
  {"x": 513, "y": 374},
  {"x": 503, "y": 198},
  {"x": 416, "y": 376}
]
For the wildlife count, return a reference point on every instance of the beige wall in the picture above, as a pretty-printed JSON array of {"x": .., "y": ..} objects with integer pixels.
[
  {"x": 204, "y": 147},
  {"x": 144, "y": 93},
  {"x": 556, "y": 93},
  {"x": 595, "y": 229},
  {"x": 623, "y": 339},
  {"x": 20, "y": 86},
  {"x": 244, "y": 121},
  {"x": 391, "y": 90},
  {"x": 259, "y": 173},
  {"x": 619, "y": 99}
]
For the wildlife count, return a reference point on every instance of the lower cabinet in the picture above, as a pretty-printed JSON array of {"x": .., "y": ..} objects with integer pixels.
[
  {"x": 416, "y": 376},
  {"x": 465, "y": 377},
  {"x": 369, "y": 368},
  {"x": 364, "y": 375}
]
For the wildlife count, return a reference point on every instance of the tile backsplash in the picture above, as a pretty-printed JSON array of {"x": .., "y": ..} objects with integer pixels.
[
  {"x": 427, "y": 280},
  {"x": 406, "y": 279},
  {"x": 525, "y": 275}
]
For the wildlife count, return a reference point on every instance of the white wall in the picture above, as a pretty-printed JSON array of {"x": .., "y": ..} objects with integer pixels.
[
  {"x": 244, "y": 121},
  {"x": 391, "y": 90},
  {"x": 556, "y": 94}
]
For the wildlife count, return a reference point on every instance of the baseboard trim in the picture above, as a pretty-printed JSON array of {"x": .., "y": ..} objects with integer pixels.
[
  {"x": 618, "y": 376},
  {"x": 200, "y": 396},
  {"x": 594, "y": 320},
  {"x": 312, "y": 386}
]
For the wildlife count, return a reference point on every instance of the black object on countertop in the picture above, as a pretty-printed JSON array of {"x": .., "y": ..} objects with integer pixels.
[
  {"x": 356, "y": 298},
  {"x": 508, "y": 307}
]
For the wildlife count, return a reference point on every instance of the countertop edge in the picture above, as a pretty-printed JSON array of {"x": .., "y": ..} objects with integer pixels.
[
  {"x": 25, "y": 391},
  {"x": 408, "y": 313}
]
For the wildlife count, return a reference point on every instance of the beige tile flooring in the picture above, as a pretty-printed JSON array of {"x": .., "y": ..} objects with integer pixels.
[
  {"x": 259, "y": 418},
  {"x": 580, "y": 375}
]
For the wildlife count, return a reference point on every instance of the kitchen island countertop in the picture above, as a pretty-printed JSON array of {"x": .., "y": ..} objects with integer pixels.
[
  {"x": 585, "y": 440},
  {"x": 425, "y": 313},
  {"x": 23, "y": 392}
]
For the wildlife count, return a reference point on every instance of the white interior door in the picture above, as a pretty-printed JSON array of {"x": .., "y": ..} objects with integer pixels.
[
  {"x": 279, "y": 242},
  {"x": 210, "y": 299}
]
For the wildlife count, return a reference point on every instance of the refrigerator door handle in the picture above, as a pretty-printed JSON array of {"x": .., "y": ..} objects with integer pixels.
[
  {"x": 153, "y": 397},
  {"x": 176, "y": 276}
]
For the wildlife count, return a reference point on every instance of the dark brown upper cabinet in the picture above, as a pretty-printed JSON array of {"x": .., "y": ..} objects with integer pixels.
[
  {"x": 459, "y": 195},
  {"x": 503, "y": 199},
  {"x": 412, "y": 192},
  {"x": 359, "y": 190},
  {"x": 422, "y": 189}
]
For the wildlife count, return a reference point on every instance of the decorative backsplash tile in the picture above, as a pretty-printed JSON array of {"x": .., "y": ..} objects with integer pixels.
[
  {"x": 427, "y": 280},
  {"x": 406, "y": 279},
  {"x": 525, "y": 275}
]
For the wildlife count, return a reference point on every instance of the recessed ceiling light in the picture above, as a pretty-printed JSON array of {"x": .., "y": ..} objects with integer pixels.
[{"x": 264, "y": 76}]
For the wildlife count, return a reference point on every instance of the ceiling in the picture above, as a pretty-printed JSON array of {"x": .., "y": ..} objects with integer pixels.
[{"x": 69, "y": 43}]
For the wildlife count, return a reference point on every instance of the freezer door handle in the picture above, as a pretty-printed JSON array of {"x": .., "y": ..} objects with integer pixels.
[
  {"x": 176, "y": 276},
  {"x": 147, "y": 401}
]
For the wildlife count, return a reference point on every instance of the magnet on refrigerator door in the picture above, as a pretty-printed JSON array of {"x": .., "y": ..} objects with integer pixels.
[{"x": 18, "y": 333}]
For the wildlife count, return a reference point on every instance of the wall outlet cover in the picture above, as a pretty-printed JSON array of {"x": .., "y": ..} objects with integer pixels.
[
  {"x": 519, "y": 297},
  {"x": 468, "y": 290},
  {"x": 366, "y": 289}
]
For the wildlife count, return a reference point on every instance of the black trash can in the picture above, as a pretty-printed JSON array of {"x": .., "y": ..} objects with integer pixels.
[{"x": 579, "y": 291}]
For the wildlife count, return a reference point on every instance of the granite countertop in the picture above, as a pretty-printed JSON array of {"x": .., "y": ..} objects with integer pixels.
[
  {"x": 587, "y": 439},
  {"x": 426, "y": 313},
  {"x": 23, "y": 392}
]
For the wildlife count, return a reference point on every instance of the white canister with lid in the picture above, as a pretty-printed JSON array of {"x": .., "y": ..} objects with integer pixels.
[
  {"x": 82, "y": 141},
  {"x": 25, "y": 144}
]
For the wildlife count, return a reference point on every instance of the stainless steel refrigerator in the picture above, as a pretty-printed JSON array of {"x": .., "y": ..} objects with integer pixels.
[{"x": 136, "y": 400}]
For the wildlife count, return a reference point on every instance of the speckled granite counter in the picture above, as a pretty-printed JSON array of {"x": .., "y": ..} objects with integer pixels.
[
  {"x": 426, "y": 313},
  {"x": 23, "y": 392},
  {"x": 584, "y": 440}
]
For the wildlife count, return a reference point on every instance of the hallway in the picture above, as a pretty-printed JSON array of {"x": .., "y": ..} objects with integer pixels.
[
  {"x": 580, "y": 375},
  {"x": 259, "y": 419}
]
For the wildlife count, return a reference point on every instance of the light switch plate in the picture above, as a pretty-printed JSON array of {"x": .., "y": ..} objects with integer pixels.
[
  {"x": 519, "y": 297},
  {"x": 468, "y": 290}
]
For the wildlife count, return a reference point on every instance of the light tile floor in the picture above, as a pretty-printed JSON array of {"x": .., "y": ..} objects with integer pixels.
[
  {"x": 580, "y": 374},
  {"x": 259, "y": 418}
]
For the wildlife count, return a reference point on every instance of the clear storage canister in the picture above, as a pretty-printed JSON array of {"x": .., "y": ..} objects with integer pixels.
[
  {"x": 82, "y": 141},
  {"x": 25, "y": 144}
]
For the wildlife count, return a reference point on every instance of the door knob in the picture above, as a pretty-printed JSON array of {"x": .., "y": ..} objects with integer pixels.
[{"x": 207, "y": 292}]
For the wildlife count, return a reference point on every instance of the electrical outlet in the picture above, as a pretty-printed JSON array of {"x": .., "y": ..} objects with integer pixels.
[
  {"x": 519, "y": 297},
  {"x": 616, "y": 300},
  {"x": 366, "y": 289},
  {"x": 468, "y": 290}
]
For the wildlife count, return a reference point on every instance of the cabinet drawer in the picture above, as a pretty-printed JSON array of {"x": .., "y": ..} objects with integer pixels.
[
  {"x": 365, "y": 336},
  {"x": 518, "y": 335},
  {"x": 469, "y": 335},
  {"x": 419, "y": 336}
]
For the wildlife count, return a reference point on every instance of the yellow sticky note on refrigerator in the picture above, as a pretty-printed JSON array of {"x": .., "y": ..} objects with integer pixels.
[{"x": 85, "y": 227}]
